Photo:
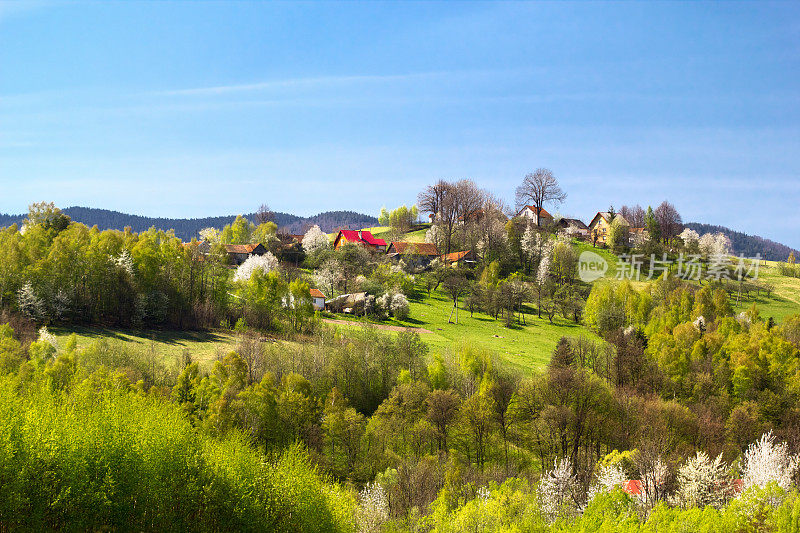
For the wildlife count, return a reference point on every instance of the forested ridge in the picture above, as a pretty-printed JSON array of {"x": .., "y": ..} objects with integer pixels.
[
  {"x": 188, "y": 228},
  {"x": 748, "y": 245}
]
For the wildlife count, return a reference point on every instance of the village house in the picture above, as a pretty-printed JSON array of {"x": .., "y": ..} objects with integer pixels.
[
  {"x": 317, "y": 300},
  {"x": 418, "y": 254},
  {"x": 600, "y": 226},
  {"x": 529, "y": 212},
  {"x": 574, "y": 227},
  {"x": 455, "y": 259},
  {"x": 360, "y": 237},
  {"x": 238, "y": 253}
]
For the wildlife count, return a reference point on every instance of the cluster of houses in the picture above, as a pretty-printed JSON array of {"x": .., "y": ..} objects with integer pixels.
[{"x": 421, "y": 254}]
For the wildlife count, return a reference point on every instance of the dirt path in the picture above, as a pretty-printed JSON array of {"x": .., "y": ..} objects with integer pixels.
[{"x": 379, "y": 326}]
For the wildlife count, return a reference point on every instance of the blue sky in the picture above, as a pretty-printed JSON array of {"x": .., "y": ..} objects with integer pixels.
[{"x": 191, "y": 109}]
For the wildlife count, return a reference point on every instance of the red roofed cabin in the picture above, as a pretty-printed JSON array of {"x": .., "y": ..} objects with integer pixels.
[
  {"x": 465, "y": 258},
  {"x": 362, "y": 237},
  {"x": 317, "y": 300},
  {"x": 238, "y": 253}
]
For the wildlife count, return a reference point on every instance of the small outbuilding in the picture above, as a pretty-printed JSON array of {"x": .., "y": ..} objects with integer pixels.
[{"x": 317, "y": 300}]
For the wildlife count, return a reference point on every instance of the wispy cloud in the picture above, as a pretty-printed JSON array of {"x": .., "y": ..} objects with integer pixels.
[{"x": 310, "y": 82}]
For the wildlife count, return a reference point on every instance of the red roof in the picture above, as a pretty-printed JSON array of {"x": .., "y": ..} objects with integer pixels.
[
  {"x": 316, "y": 293},
  {"x": 543, "y": 214},
  {"x": 455, "y": 256},
  {"x": 632, "y": 487},
  {"x": 361, "y": 236}
]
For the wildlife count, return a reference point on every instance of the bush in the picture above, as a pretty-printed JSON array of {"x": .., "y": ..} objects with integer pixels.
[{"x": 99, "y": 459}]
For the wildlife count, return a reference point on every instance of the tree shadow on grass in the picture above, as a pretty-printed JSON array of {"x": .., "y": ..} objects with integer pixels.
[{"x": 169, "y": 337}]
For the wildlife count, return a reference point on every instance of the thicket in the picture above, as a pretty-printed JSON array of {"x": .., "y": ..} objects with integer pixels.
[{"x": 97, "y": 453}]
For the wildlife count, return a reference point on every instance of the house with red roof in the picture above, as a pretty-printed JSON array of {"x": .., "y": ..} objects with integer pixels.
[
  {"x": 540, "y": 219},
  {"x": 463, "y": 258},
  {"x": 360, "y": 237},
  {"x": 317, "y": 300}
]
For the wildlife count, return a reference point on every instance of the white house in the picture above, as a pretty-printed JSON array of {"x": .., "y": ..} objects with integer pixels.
[
  {"x": 529, "y": 212},
  {"x": 317, "y": 300}
]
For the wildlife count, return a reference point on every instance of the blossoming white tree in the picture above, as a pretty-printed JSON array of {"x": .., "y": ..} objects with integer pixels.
[
  {"x": 49, "y": 338},
  {"x": 557, "y": 490},
  {"x": 31, "y": 305},
  {"x": 608, "y": 478},
  {"x": 714, "y": 244},
  {"x": 768, "y": 461},
  {"x": 373, "y": 508},
  {"x": 689, "y": 236},
  {"x": 315, "y": 239},
  {"x": 702, "y": 482},
  {"x": 328, "y": 275},
  {"x": 266, "y": 263},
  {"x": 124, "y": 262}
]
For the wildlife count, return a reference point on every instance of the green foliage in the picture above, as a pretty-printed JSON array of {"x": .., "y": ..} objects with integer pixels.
[{"x": 108, "y": 458}]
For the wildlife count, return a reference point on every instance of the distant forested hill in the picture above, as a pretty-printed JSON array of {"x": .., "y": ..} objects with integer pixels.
[
  {"x": 748, "y": 245},
  {"x": 186, "y": 228}
]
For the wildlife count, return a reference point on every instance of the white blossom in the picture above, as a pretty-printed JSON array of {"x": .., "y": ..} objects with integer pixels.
[
  {"x": 266, "y": 263},
  {"x": 61, "y": 304},
  {"x": 210, "y": 235},
  {"x": 48, "y": 337},
  {"x": 545, "y": 255},
  {"x": 434, "y": 235},
  {"x": 529, "y": 242},
  {"x": 766, "y": 461},
  {"x": 315, "y": 239},
  {"x": 30, "y": 304},
  {"x": 715, "y": 244},
  {"x": 373, "y": 508},
  {"x": 689, "y": 236},
  {"x": 557, "y": 490},
  {"x": 703, "y": 482},
  {"x": 399, "y": 306},
  {"x": 328, "y": 275},
  {"x": 608, "y": 478},
  {"x": 124, "y": 262}
]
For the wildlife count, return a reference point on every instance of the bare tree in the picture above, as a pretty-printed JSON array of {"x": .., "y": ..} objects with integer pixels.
[
  {"x": 456, "y": 285},
  {"x": 634, "y": 215},
  {"x": 452, "y": 205},
  {"x": 264, "y": 214},
  {"x": 537, "y": 189},
  {"x": 669, "y": 220},
  {"x": 430, "y": 200}
]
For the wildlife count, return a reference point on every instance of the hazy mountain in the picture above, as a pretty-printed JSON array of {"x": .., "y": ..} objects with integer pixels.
[
  {"x": 186, "y": 228},
  {"x": 748, "y": 245}
]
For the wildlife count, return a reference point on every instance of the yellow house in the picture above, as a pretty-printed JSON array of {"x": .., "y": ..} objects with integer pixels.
[{"x": 600, "y": 226}]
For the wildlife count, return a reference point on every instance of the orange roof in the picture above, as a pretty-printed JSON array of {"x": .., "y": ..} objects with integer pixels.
[
  {"x": 544, "y": 213},
  {"x": 455, "y": 256},
  {"x": 240, "y": 248},
  {"x": 419, "y": 248},
  {"x": 316, "y": 293},
  {"x": 632, "y": 487}
]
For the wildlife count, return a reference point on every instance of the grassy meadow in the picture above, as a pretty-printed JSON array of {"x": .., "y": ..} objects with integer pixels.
[
  {"x": 525, "y": 346},
  {"x": 169, "y": 346}
]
